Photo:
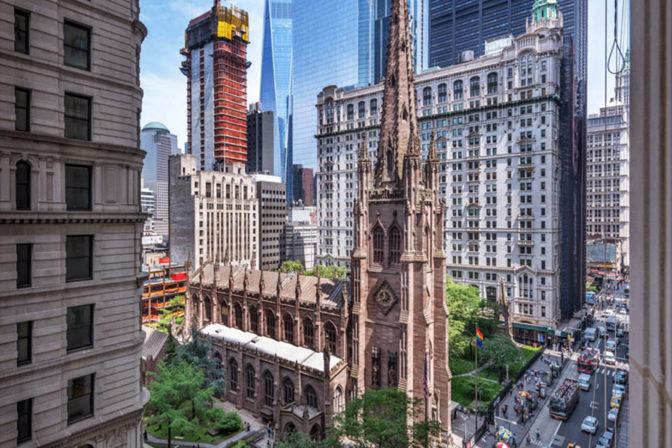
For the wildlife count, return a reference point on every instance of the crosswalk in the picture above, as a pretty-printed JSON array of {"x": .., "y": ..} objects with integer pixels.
[{"x": 610, "y": 371}]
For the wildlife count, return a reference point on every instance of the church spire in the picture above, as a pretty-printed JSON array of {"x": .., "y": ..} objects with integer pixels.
[{"x": 398, "y": 135}]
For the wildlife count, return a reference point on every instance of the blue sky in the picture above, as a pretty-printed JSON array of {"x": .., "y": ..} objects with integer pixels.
[{"x": 165, "y": 86}]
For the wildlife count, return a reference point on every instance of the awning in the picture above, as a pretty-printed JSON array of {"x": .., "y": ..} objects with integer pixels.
[{"x": 529, "y": 327}]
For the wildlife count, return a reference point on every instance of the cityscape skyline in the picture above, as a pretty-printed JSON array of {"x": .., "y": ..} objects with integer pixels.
[{"x": 161, "y": 59}]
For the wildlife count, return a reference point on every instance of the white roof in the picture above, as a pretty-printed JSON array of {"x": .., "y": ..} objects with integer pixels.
[{"x": 283, "y": 350}]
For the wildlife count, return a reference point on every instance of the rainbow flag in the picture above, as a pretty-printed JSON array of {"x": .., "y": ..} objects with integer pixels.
[{"x": 479, "y": 338}]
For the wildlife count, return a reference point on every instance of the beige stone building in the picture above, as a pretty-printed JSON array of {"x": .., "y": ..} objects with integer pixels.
[
  {"x": 212, "y": 214},
  {"x": 70, "y": 224}
]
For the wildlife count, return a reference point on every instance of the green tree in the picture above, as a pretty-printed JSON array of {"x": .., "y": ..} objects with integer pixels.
[
  {"x": 467, "y": 310},
  {"x": 291, "y": 266},
  {"x": 297, "y": 439},
  {"x": 380, "y": 418},
  {"x": 198, "y": 351},
  {"x": 177, "y": 399}
]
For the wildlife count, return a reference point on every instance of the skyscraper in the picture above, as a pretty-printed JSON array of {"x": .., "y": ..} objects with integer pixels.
[
  {"x": 276, "y": 64},
  {"x": 216, "y": 69},
  {"x": 157, "y": 141},
  {"x": 260, "y": 125},
  {"x": 456, "y": 26},
  {"x": 341, "y": 43}
]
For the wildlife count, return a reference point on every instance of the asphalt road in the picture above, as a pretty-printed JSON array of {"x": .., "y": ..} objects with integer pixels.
[{"x": 593, "y": 402}]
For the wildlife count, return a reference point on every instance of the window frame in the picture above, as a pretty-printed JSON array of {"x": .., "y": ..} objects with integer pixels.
[
  {"x": 88, "y": 189},
  {"x": 26, "y": 109},
  {"x": 26, "y": 202},
  {"x": 26, "y": 16},
  {"x": 250, "y": 382},
  {"x": 87, "y": 30},
  {"x": 395, "y": 245},
  {"x": 269, "y": 389},
  {"x": 29, "y": 344},
  {"x": 71, "y": 346},
  {"x": 288, "y": 323},
  {"x": 378, "y": 246},
  {"x": 67, "y": 117},
  {"x": 28, "y": 262},
  {"x": 72, "y": 278},
  {"x": 71, "y": 397},
  {"x": 233, "y": 374},
  {"x": 270, "y": 324},
  {"x": 310, "y": 396},
  {"x": 25, "y": 411},
  {"x": 288, "y": 391},
  {"x": 308, "y": 332}
]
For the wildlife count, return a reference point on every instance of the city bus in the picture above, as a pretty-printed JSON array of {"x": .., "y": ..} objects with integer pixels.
[{"x": 564, "y": 399}]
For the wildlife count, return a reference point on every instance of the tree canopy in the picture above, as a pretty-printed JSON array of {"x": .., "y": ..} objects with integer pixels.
[
  {"x": 467, "y": 310},
  {"x": 198, "y": 351},
  {"x": 380, "y": 417},
  {"x": 325, "y": 271}
]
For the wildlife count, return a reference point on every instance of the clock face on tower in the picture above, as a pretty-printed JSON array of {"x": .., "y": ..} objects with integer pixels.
[{"x": 385, "y": 298}]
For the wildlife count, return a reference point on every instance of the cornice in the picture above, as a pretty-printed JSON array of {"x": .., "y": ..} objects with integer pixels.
[{"x": 31, "y": 217}]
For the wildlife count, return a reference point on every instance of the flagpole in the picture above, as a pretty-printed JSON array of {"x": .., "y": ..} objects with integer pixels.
[{"x": 476, "y": 386}]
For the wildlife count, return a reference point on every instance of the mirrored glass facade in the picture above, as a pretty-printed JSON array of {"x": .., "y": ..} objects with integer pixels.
[{"x": 276, "y": 67}]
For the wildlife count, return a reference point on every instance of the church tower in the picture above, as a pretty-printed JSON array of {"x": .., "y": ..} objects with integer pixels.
[{"x": 400, "y": 318}]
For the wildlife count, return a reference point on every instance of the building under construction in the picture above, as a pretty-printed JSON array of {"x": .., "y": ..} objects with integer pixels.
[{"x": 216, "y": 70}]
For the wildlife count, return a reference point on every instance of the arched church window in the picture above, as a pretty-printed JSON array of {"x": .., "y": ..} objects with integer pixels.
[
  {"x": 378, "y": 245},
  {"x": 395, "y": 245}
]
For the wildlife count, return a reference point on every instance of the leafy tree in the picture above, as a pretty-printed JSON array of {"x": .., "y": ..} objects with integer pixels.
[
  {"x": 198, "y": 352},
  {"x": 296, "y": 439},
  {"x": 467, "y": 310},
  {"x": 174, "y": 386},
  {"x": 500, "y": 351},
  {"x": 291, "y": 266},
  {"x": 229, "y": 423},
  {"x": 380, "y": 418}
]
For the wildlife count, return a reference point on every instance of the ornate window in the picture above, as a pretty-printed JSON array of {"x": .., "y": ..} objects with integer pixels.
[
  {"x": 492, "y": 83},
  {"x": 22, "y": 186},
  {"x": 475, "y": 86},
  {"x": 254, "y": 319},
  {"x": 337, "y": 401},
  {"x": 350, "y": 111},
  {"x": 458, "y": 90},
  {"x": 427, "y": 96},
  {"x": 311, "y": 396},
  {"x": 288, "y": 390},
  {"x": 378, "y": 244},
  {"x": 270, "y": 324},
  {"x": 395, "y": 245},
  {"x": 289, "y": 328},
  {"x": 249, "y": 373},
  {"x": 330, "y": 336},
  {"x": 238, "y": 311},
  {"x": 442, "y": 93},
  {"x": 233, "y": 374},
  {"x": 268, "y": 388},
  {"x": 373, "y": 107},
  {"x": 361, "y": 109},
  {"x": 308, "y": 332},
  {"x": 207, "y": 305}
]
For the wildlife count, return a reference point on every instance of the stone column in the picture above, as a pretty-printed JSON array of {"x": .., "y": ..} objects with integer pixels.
[{"x": 651, "y": 209}]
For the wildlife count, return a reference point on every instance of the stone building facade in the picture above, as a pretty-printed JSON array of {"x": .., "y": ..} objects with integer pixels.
[
  {"x": 213, "y": 214},
  {"x": 282, "y": 350},
  {"x": 272, "y": 208},
  {"x": 70, "y": 224},
  {"x": 503, "y": 164}
]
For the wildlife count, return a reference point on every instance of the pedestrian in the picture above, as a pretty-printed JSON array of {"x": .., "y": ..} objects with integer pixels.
[
  {"x": 529, "y": 439},
  {"x": 538, "y": 435}
]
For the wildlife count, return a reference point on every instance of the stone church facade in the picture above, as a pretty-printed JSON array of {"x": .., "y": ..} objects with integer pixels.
[{"x": 295, "y": 348}]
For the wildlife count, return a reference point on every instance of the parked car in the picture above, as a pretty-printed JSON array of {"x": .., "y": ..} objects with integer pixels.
[
  {"x": 611, "y": 345},
  {"x": 613, "y": 415},
  {"x": 619, "y": 389},
  {"x": 619, "y": 333},
  {"x": 605, "y": 440},
  {"x": 621, "y": 376},
  {"x": 591, "y": 334},
  {"x": 589, "y": 424}
]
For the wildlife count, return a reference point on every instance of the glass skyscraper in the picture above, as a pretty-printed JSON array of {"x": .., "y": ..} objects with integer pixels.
[
  {"x": 341, "y": 43},
  {"x": 276, "y": 65},
  {"x": 456, "y": 26},
  {"x": 325, "y": 43}
]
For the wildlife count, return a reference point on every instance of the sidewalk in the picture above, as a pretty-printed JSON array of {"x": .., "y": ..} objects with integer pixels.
[{"x": 510, "y": 421}]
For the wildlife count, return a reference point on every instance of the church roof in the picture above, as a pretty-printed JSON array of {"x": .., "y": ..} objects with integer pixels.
[
  {"x": 331, "y": 290},
  {"x": 284, "y": 350}
]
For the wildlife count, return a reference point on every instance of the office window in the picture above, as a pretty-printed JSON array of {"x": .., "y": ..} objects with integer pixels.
[
  {"x": 76, "y": 45},
  {"x": 80, "y": 327},
  {"x": 475, "y": 86},
  {"x": 22, "y": 109},
  {"x": 22, "y": 184},
  {"x": 492, "y": 83},
  {"x": 458, "y": 90},
  {"x": 23, "y": 265},
  {"x": 77, "y": 117},
  {"x": 24, "y": 420},
  {"x": 79, "y": 261},
  {"x": 78, "y": 187},
  {"x": 24, "y": 344},
  {"x": 442, "y": 93},
  {"x": 80, "y": 398},
  {"x": 21, "y": 31}
]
